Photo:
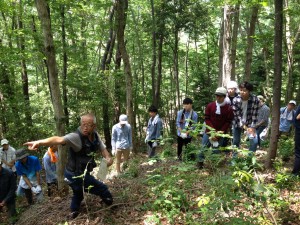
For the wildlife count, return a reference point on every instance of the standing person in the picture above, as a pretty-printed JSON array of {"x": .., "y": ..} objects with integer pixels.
[
  {"x": 83, "y": 144},
  {"x": 296, "y": 169},
  {"x": 218, "y": 115},
  {"x": 232, "y": 91},
  {"x": 8, "y": 155},
  {"x": 184, "y": 123},
  {"x": 49, "y": 161},
  {"x": 245, "y": 110},
  {"x": 262, "y": 117},
  {"x": 121, "y": 141},
  {"x": 287, "y": 116},
  {"x": 29, "y": 167},
  {"x": 8, "y": 192},
  {"x": 154, "y": 131}
]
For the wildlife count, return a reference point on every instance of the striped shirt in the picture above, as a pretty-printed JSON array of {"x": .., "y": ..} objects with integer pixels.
[
  {"x": 252, "y": 111},
  {"x": 263, "y": 115}
]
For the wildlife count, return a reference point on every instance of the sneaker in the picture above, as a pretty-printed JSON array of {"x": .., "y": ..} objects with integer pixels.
[
  {"x": 108, "y": 201},
  {"x": 73, "y": 215}
]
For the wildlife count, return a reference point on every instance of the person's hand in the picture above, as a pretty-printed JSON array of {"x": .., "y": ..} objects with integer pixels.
[
  {"x": 183, "y": 135},
  {"x": 154, "y": 144},
  {"x": 34, "y": 191},
  {"x": 38, "y": 189},
  {"x": 109, "y": 161},
  {"x": 32, "y": 145}
]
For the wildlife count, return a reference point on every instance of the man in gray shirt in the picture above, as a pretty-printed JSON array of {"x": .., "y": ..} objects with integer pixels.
[{"x": 83, "y": 145}]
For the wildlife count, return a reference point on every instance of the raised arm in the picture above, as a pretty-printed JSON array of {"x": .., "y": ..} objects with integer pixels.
[{"x": 55, "y": 140}]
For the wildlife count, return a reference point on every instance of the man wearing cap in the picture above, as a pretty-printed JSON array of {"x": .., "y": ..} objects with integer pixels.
[
  {"x": 262, "y": 117},
  {"x": 232, "y": 91},
  {"x": 83, "y": 145},
  {"x": 8, "y": 155},
  {"x": 185, "y": 120},
  {"x": 121, "y": 141},
  {"x": 287, "y": 116},
  {"x": 154, "y": 131},
  {"x": 29, "y": 167},
  {"x": 245, "y": 110},
  {"x": 218, "y": 118},
  {"x": 7, "y": 192}
]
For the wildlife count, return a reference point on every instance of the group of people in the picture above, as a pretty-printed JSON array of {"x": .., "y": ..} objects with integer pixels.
[{"x": 234, "y": 111}]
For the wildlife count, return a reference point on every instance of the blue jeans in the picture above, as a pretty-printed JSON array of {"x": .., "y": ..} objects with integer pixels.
[
  {"x": 237, "y": 131},
  {"x": 90, "y": 184},
  {"x": 258, "y": 131},
  {"x": 206, "y": 144}
]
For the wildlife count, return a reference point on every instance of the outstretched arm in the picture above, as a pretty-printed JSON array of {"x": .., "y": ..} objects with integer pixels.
[{"x": 55, "y": 140}]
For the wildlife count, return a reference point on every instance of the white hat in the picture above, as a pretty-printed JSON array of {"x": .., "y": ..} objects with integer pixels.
[
  {"x": 123, "y": 119},
  {"x": 290, "y": 102},
  {"x": 232, "y": 84},
  {"x": 221, "y": 91},
  {"x": 4, "y": 142}
]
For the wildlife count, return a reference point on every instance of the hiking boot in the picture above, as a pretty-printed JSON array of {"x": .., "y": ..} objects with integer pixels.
[
  {"x": 200, "y": 165},
  {"x": 108, "y": 201},
  {"x": 73, "y": 215}
]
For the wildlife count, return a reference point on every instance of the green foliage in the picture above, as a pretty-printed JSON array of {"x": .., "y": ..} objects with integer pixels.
[{"x": 285, "y": 148}]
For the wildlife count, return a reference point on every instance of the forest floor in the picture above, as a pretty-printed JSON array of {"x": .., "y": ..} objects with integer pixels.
[{"x": 167, "y": 191}]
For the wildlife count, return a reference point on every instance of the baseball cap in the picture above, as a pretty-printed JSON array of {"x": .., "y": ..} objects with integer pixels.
[
  {"x": 221, "y": 91},
  {"x": 4, "y": 142},
  {"x": 123, "y": 119},
  {"x": 21, "y": 154},
  {"x": 292, "y": 102}
]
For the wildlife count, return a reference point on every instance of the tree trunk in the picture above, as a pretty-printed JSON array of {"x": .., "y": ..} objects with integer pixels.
[
  {"x": 153, "y": 66},
  {"x": 159, "y": 71},
  {"x": 121, "y": 15},
  {"x": 65, "y": 64},
  {"x": 236, "y": 23},
  {"x": 250, "y": 41},
  {"x": 44, "y": 15},
  {"x": 277, "y": 83},
  {"x": 176, "y": 66},
  {"x": 221, "y": 49}
]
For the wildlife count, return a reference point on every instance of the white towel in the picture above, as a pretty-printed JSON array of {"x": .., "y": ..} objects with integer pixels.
[{"x": 218, "y": 110}]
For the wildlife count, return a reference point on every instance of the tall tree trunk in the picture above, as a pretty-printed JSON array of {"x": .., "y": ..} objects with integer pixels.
[
  {"x": 176, "y": 66},
  {"x": 250, "y": 42},
  {"x": 121, "y": 15},
  {"x": 65, "y": 64},
  {"x": 105, "y": 63},
  {"x": 21, "y": 43},
  {"x": 221, "y": 36},
  {"x": 277, "y": 83},
  {"x": 159, "y": 70},
  {"x": 44, "y": 15},
  {"x": 153, "y": 65},
  {"x": 236, "y": 23}
]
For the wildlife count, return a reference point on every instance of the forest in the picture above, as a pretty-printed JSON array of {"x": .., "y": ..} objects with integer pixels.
[{"x": 62, "y": 58}]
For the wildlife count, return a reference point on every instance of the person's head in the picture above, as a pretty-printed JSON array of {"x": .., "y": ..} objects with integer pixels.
[
  {"x": 245, "y": 90},
  {"x": 187, "y": 104},
  {"x": 123, "y": 119},
  {"x": 152, "y": 111},
  {"x": 220, "y": 94},
  {"x": 21, "y": 155},
  {"x": 53, "y": 148},
  {"x": 87, "y": 124},
  {"x": 232, "y": 88},
  {"x": 261, "y": 100},
  {"x": 291, "y": 105},
  {"x": 4, "y": 144}
]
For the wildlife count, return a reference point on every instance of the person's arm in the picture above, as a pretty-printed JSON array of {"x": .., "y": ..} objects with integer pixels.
[
  {"x": 55, "y": 140},
  {"x": 228, "y": 121},
  {"x": 113, "y": 138},
  {"x": 130, "y": 136},
  {"x": 178, "y": 121},
  {"x": 254, "y": 112},
  {"x": 27, "y": 181},
  {"x": 38, "y": 177},
  {"x": 106, "y": 155}
]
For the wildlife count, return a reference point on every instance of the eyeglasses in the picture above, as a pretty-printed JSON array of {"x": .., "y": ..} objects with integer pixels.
[{"x": 87, "y": 125}]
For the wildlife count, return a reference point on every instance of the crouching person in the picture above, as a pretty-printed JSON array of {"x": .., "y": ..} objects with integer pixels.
[
  {"x": 7, "y": 192},
  {"x": 83, "y": 144},
  {"x": 28, "y": 167}
]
